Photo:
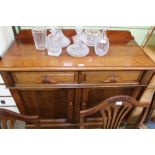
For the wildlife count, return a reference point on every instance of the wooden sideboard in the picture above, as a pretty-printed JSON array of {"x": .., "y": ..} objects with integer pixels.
[{"x": 57, "y": 88}]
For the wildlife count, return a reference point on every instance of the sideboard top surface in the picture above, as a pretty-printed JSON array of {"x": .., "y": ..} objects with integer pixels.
[{"x": 24, "y": 57}]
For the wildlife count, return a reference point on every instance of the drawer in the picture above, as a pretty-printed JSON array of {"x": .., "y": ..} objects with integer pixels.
[
  {"x": 7, "y": 101},
  {"x": 30, "y": 78},
  {"x": 1, "y": 80},
  {"x": 14, "y": 109},
  {"x": 111, "y": 77},
  {"x": 4, "y": 91}
]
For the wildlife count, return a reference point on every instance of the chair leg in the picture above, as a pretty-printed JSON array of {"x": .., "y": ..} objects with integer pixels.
[
  {"x": 4, "y": 124},
  {"x": 142, "y": 118},
  {"x": 143, "y": 127},
  {"x": 152, "y": 107}
]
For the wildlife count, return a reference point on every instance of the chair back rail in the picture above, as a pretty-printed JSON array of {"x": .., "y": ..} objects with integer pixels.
[
  {"x": 114, "y": 110},
  {"x": 7, "y": 115}
]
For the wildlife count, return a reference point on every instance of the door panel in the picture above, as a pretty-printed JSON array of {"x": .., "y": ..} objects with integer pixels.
[
  {"x": 92, "y": 97},
  {"x": 49, "y": 104}
]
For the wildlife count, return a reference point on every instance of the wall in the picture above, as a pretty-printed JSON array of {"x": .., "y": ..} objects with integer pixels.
[
  {"x": 6, "y": 38},
  {"x": 139, "y": 32}
]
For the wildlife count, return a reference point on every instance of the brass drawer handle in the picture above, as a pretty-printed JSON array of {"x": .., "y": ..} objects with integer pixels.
[
  {"x": 107, "y": 81},
  {"x": 115, "y": 80},
  {"x": 111, "y": 80},
  {"x": 47, "y": 81}
]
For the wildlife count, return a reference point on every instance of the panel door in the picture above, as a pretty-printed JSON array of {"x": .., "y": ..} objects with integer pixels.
[
  {"x": 92, "y": 97},
  {"x": 49, "y": 104}
]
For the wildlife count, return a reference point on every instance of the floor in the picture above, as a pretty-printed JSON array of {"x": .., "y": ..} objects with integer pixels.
[{"x": 150, "y": 125}]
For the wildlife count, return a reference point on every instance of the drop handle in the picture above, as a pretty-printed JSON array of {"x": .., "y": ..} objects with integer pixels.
[
  {"x": 108, "y": 81},
  {"x": 112, "y": 79},
  {"x": 45, "y": 80},
  {"x": 115, "y": 80}
]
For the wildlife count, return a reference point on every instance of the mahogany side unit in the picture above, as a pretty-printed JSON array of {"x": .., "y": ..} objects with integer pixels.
[{"x": 57, "y": 88}]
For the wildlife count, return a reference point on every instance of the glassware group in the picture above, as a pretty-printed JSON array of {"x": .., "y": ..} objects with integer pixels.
[{"x": 56, "y": 40}]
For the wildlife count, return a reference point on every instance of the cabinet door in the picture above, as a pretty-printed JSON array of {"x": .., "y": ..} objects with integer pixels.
[
  {"x": 54, "y": 104},
  {"x": 92, "y": 97}
]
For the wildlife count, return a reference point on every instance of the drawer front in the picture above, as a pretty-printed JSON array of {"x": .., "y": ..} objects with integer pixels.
[
  {"x": 4, "y": 91},
  {"x": 27, "y": 78},
  {"x": 14, "y": 109},
  {"x": 111, "y": 77},
  {"x": 7, "y": 101},
  {"x": 1, "y": 80}
]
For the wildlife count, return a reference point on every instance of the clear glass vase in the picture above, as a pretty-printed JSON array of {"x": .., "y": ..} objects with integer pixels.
[{"x": 39, "y": 36}]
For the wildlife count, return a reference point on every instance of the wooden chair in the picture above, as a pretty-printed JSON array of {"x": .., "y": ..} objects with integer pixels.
[
  {"x": 113, "y": 112},
  {"x": 10, "y": 116}
]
